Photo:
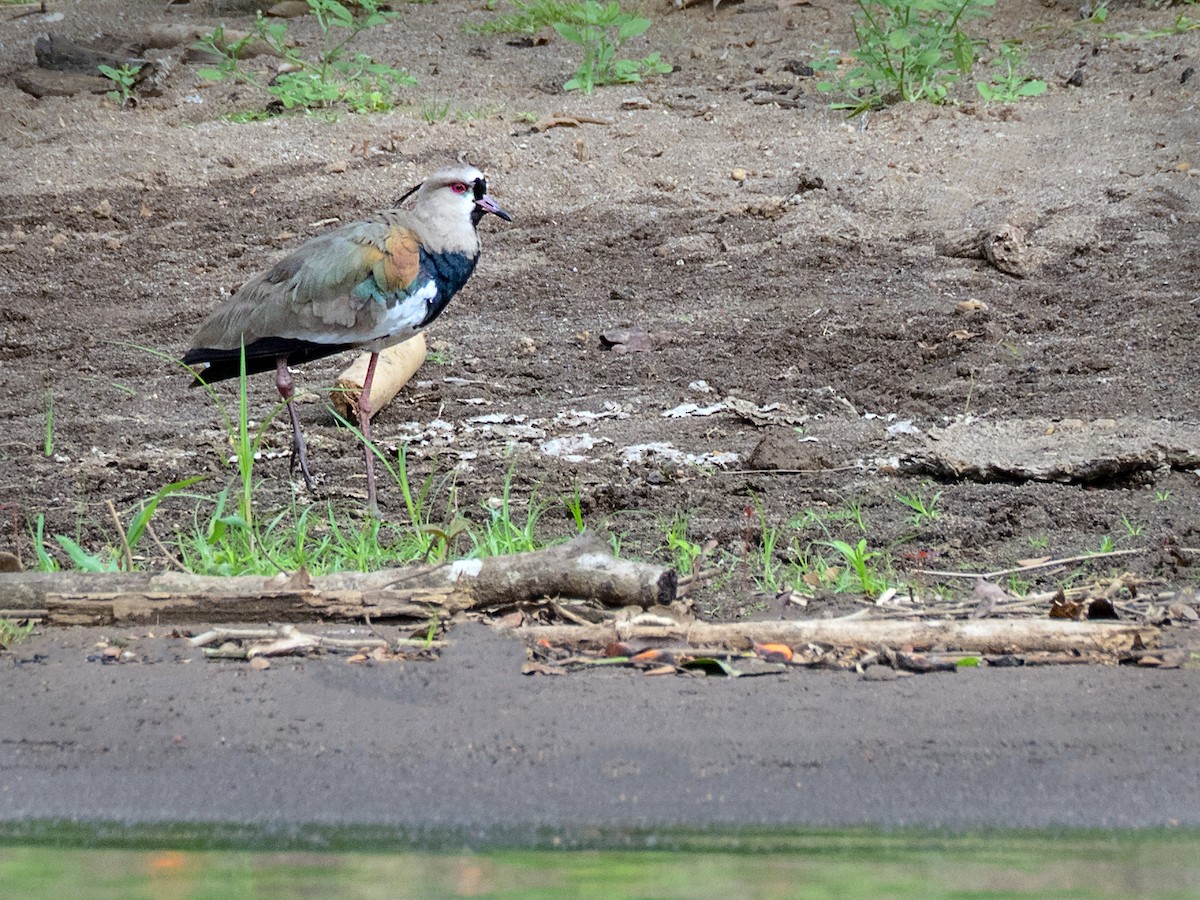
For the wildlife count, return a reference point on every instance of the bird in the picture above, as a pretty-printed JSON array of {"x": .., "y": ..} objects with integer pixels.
[{"x": 364, "y": 286}]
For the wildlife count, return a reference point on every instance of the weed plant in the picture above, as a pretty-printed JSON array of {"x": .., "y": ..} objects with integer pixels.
[
  {"x": 924, "y": 507},
  {"x": 11, "y": 633},
  {"x": 599, "y": 30},
  {"x": 1011, "y": 80},
  {"x": 528, "y": 18},
  {"x": 908, "y": 51},
  {"x": 123, "y": 78},
  {"x": 335, "y": 78}
]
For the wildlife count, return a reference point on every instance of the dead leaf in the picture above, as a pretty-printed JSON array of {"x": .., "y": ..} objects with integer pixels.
[
  {"x": 1061, "y": 608},
  {"x": 962, "y": 334},
  {"x": 970, "y": 306},
  {"x": 986, "y": 595},
  {"x": 1182, "y": 612},
  {"x": 626, "y": 340},
  {"x": 288, "y": 9},
  {"x": 654, "y": 654},
  {"x": 780, "y": 653},
  {"x": 513, "y": 619},
  {"x": 259, "y": 663},
  {"x": 1035, "y": 561},
  {"x": 661, "y": 670},
  {"x": 554, "y": 122},
  {"x": 537, "y": 668},
  {"x": 617, "y": 648},
  {"x": 299, "y": 580},
  {"x": 1102, "y": 608},
  {"x": 537, "y": 39}
]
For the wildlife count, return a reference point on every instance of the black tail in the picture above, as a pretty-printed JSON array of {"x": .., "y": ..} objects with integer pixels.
[{"x": 261, "y": 356}]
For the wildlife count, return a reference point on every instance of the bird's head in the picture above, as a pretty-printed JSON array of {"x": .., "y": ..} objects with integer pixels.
[{"x": 456, "y": 194}]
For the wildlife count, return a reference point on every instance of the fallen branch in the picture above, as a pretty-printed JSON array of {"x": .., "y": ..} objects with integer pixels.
[
  {"x": 988, "y": 576},
  {"x": 285, "y": 640},
  {"x": 997, "y": 636},
  {"x": 396, "y": 366},
  {"x": 582, "y": 568}
]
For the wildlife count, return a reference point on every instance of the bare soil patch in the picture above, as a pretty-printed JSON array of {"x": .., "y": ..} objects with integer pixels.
[{"x": 841, "y": 278}]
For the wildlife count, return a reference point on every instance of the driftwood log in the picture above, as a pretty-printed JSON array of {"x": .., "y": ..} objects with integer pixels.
[
  {"x": 582, "y": 568},
  {"x": 971, "y": 636}
]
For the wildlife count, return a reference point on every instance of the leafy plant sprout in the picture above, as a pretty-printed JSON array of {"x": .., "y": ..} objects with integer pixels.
[
  {"x": 1132, "y": 529},
  {"x": 683, "y": 552},
  {"x": 924, "y": 508},
  {"x": 859, "y": 559},
  {"x": 1010, "y": 79},
  {"x": 601, "y": 31},
  {"x": 908, "y": 51},
  {"x": 336, "y": 77},
  {"x": 124, "y": 77},
  {"x": 48, "y": 428}
]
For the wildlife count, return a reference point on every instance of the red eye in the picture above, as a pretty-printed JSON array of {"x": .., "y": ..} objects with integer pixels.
[{"x": 458, "y": 187}]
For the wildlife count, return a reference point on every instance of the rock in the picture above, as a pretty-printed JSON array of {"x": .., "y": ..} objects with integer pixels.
[
  {"x": 785, "y": 450},
  {"x": 1007, "y": 249},
  {"x": 48, "y": 83},
  {"x": 288, "y": 9}
]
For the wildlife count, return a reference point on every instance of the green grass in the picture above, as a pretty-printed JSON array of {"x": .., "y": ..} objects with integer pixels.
[
  {"x": 682, "y": 552},
  {"x": 220, "y": 862},
  {"x": 48, "y": 427},
  {"x": 226, "y": 532},
  {"x": 11, "y": 633},
  {"x": 923, "y": 505},
  {"x": 526, "y": 18}
]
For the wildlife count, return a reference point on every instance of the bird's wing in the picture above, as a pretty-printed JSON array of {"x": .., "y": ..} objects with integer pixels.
[
  {"x": 353, "y": 285},
  {"x": 336, "y": 279}
]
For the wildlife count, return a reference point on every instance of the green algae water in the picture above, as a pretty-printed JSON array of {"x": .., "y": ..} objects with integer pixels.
[{"x": 53, "y": 860}]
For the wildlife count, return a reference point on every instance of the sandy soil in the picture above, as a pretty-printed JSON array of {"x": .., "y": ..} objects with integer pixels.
[
  {"x": 468, "y": 744},
  {"x": 1058, "y": 410}
]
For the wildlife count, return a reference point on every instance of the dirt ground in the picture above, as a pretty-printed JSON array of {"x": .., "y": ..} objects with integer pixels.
[
  {"x": 820, "y": 280},
  {"x": 465, "y": 751},
  {"x": 820, "y": 283}
]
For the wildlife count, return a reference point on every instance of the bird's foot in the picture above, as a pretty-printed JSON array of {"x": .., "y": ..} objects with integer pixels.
[{"x": 300, "y": 456}]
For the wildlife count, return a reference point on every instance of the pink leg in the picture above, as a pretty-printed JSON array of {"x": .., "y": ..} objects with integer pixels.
[
  {"x": 283, "y": 381},
  {"x": 364, "y": 425}
]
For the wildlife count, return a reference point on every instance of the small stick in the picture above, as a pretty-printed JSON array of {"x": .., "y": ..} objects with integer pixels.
[
  {"x": 374, "y": 630},
  {"x": 163, "y": 549},
  {"x": 687, "y": 583},
  {"x": 1051, "y": 562},
  {"x": 112, "y": 511},
  {"x": 785, "y": 471}
]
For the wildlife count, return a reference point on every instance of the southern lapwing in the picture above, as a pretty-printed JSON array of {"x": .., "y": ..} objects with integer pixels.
[{"x": 365, "y": 286}]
